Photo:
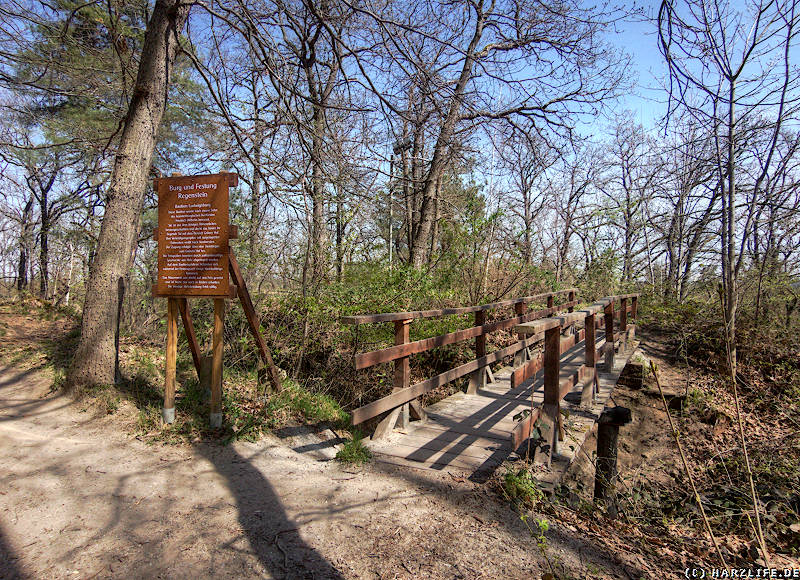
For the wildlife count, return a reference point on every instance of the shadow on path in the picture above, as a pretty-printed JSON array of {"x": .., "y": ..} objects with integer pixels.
[
  {"x": 274, "y": 538},
  {"x": 8, "y": 560}
]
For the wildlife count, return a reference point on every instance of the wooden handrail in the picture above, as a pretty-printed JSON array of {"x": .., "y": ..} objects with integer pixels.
[
  {"x": 401, "y": 350},
  {"x": 537, "y": 325},
  {"x": 549, "y": 361},
  {"x": 391, "y": 316},
  {"x": 368, "y": 359},
  {"x": 398, "y": 398}
]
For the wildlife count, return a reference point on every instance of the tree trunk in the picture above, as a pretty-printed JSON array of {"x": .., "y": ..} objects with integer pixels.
[
  {"x": 69, "y": 276},
  {"x": 25, "y": 236},
  {"x": 418, "y": 250},
  {"x": 730, "y": 250},
  {"x": 22, "y": 267},
  {"x": 339, "y": 233},
  {"x": 95, "y": 356},
  {"x": 437, "y": 217},
  {"x": 44, "y": 235},
  {"x": 319, "y": 231},
  {"x": 255, "y": 213},
  {"x": 527, "y": 253}
]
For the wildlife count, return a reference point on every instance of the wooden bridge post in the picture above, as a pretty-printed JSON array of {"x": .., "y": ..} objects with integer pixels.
[
  {"x": 521, "y": 308},
  {"x": 623, "y": 323},
  {"x": 609, "y": 347},
  {"x": 402, "y": 376},
  {"x": 550, "y": 415},
  {"x": 477, "y": 379},
  {"x": 589, "y": 391},
  {"x": 606, "y": 467},
  {"x": 634, "y": 309},
  {"x": 570, "y": 330}
]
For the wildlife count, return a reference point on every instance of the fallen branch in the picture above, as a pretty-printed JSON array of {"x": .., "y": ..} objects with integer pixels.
[
  {"x": 759, "y": 532},
  {"x": 654, "y": 368}
]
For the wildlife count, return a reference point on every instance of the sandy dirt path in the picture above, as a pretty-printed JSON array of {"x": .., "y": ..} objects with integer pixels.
[{"x": 79, "y": 498}]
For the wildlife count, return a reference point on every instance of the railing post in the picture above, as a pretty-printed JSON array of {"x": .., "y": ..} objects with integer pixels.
[
  {"x": 623, "y": 323},
  {"x": 549, "y": 417},
  {"x": 477, "y": 379},
  {"x": 634, "y": 310},
  {"x": 521, "y": 308},
  {"x": 402, "y": 373},
  {"x": 587, "y": 397},
  {"x": 550, "y": 301},
  {"x": 609, "y": 324},
  {"x": 402, "y": 368},
  {"x": 569, "y": 330}
]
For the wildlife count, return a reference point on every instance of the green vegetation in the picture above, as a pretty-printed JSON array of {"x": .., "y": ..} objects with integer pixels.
[
  {"x": 294, "y": 402},
  {"x": 354, "y": 452},
  {"x": 520, "y": 487}
]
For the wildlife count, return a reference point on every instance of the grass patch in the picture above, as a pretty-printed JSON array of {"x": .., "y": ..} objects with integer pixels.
[
  {"x": 106, "y": 398},
  {"x": 354, "y": 452},
  {"x": 295, "y": 402}
]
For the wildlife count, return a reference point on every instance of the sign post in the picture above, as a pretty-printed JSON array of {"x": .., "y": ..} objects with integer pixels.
[
  {"x": 195, "y": 260},
  {"x": 193, "y": 235}
]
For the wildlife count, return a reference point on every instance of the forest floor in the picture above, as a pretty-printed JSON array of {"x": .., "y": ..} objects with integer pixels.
[{"x": 82, "y": 496}]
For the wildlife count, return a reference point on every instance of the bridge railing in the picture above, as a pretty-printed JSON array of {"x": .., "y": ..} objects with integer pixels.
[
  {"x": 404, "y": 399},
  {"x": 553, "y": 325},
  {"x": 547, "y": 417}
]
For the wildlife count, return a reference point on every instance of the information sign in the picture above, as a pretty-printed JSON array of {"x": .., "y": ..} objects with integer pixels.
[{"x": 193, "y": 235}]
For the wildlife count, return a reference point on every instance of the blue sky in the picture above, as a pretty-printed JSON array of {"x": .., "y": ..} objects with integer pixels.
[{"x": 639, "y": 39}]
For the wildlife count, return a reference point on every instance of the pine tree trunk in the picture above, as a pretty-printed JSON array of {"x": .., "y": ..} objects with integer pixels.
[
  {"x": 26, "y": 233},
  {"x": 95, "y": 357},
  {"x": 44, "y": 250}
]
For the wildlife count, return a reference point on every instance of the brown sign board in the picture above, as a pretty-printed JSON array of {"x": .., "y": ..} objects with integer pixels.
[{"x": 193, "y": 235}]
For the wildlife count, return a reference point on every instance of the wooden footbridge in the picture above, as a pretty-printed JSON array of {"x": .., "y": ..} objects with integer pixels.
[{"x": 556, "y": 371}]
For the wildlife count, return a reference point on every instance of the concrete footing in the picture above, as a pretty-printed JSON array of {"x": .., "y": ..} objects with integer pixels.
[{"x": 215, "y": 420}]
